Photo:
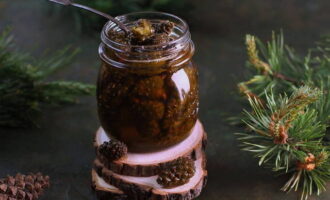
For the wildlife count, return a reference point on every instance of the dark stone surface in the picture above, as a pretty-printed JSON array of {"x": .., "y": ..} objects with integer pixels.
[{"x": 62, "y": 147}]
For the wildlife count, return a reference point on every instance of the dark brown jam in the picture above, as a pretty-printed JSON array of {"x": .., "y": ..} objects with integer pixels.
[{"x": 148, "y": 99}]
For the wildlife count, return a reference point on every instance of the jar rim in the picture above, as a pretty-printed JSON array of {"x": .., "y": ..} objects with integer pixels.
[{"x": 183, "y": 37}]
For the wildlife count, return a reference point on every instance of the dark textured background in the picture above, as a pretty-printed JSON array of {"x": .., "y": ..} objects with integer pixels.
[{"x": 62, "y": 147}]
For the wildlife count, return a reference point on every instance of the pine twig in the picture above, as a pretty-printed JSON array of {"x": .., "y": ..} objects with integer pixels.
[{"x": 285, "y": 78}]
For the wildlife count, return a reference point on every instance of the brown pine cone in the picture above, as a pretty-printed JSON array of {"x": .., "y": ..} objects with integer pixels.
[
  {"x": 148, "y": 109},
  {"x": 177, "y": 173},
  {"x": 164, "y": 27},
  {"x": 113, "y": 150},
  {"x": 23, "y": 187},
  {"x": 150, "y": 87}
]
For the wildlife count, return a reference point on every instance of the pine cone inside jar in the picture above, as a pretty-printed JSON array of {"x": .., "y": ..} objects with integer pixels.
[
  {"x": 165, "y": 27},
  {"x": 113, "y": 150},
  {"x": 23, "y": 187},
  {"x": 177, "y": 173}
]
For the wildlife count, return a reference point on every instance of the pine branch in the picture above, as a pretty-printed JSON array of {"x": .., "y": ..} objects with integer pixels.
[
  {"x": 283, "y": 140},
  {"x": 23, "y": 89},
  {"x": 285, "y": 133}
]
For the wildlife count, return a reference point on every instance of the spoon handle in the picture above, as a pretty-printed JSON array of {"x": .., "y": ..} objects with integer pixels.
[{"x": 120, "y": 24}]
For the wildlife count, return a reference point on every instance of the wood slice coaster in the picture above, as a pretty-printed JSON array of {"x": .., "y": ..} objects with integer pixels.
[
  {"x": 147, "y": 188},
  {"x": 148, "y": 164},
  {"x": 105, "y": 191}
]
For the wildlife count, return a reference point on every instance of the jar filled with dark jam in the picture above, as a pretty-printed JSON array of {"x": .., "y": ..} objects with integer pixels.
[{"x": 147, "y": 90}]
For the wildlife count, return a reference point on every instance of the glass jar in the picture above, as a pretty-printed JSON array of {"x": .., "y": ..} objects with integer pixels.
[{"x": 148, "y": 95}]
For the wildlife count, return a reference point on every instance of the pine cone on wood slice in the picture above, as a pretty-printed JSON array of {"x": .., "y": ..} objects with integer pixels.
[
  {"x": 143, "y": 188},
  {"x": 177, "y": 173},
  {"x": 23, "y": 187},
  {"x": 113, "y": 150},
  {"x": 145, "y": 165}
]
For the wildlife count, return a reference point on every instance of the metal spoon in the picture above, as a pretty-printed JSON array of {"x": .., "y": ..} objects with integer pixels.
[{"x": 70, "y": 3}]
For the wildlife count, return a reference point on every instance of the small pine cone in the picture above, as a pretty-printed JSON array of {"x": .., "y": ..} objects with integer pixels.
[
  {"x": 164, "y": 27},
  {"x": 23, "y": 187},
  {"x": 167, "y": 27},
  {"x": 177, "y": 173},
  {"x": 113, "y": 150}
]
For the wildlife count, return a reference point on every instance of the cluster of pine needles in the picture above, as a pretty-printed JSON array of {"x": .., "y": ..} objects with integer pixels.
[
  {"x": 24, "y": 86},
  {"x": 289, "y": 113}
]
